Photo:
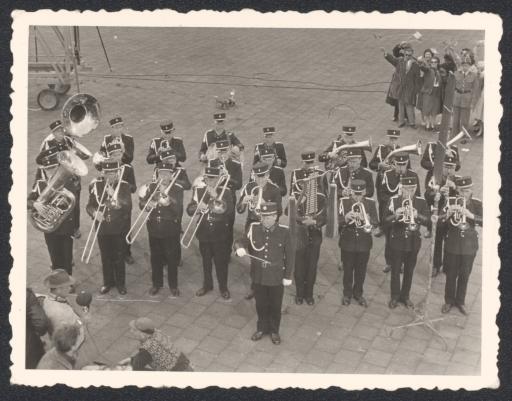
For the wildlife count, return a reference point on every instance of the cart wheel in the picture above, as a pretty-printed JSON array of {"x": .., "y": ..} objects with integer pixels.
[
  {"x": 48, "y": 99},
  {"x": 62, "y": 89}
]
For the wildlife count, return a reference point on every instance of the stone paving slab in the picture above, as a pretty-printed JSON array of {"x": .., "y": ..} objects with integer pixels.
[{"x": 307, "y": 83}]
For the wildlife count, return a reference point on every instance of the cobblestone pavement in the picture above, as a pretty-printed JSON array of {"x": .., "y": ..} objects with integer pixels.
[{"x": 307, "y": 83}]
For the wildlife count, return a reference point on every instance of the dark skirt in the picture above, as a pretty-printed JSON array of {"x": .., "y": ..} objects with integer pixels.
[{"x": 431, "y": 103}]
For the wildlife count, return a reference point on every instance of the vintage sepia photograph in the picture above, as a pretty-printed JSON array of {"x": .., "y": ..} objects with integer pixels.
[{"x": 305, "y": 196}]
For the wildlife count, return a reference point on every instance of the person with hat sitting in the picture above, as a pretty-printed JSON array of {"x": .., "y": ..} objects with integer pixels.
[
  {"x": 276, "y": 173},
  {"x": 66, "y": 340},
  {"x": 357, "y": 216},
  {"x": 461, "y": 215},
  {"x": 404, "y": 215},
  {"x": 334, "y": 159},
  {"x": 269, "y": 145},
  {"x": 309, "y": 187},
  {"x": 389, "y": 186},
  {"x": 60, "y": 241},
  {"x": 257, "y": 191},
  {"x": 269, "y": 245},
  {"x": 166, "y": 141},
  {"x": 216, "y": 203},
  {"x": 352, "y": 170},
  {"x": 445, "y": 189},
  {"x": 380, "y": 164},
  {"x": 60, "y": 311},
  {"x": 113, "y": 215},
  {"x": 57, "y": 141},
  {"x": 156, "y": 351},
  {"x": 164, "y": 222},
  {"x": 218, "y": 134}
]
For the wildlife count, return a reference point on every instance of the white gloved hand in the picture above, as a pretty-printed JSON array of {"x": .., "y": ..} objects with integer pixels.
[
  {"x": 287, "y": 282},
  {"x": 240, "y": 252}
]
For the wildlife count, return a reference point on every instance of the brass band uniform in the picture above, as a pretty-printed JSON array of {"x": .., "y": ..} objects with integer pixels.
[
  {"x": 309, "y": 187},
  {"x": 113, "y": 221},
  {"x": 447, "y": 189},
  {"x": 353, "y": 170},
  {"x": 427, "y": 160},
  {"x": 269, "y": 145},
  {"x": 357, "y": 218},
  {"x": 213, "y": 231},
  {"x": 334, "y": 159},
  {"x": 389, "y": 186},
  {"x": 60, "y": 140},
  {"x": 405, "y": 213},
  {"x": 60, "y": 241},
  {"x": 269, "y": 245},
  {"x": 167, "y": 140},
  {"x": 276, "y": 173},
  {"x": 253, "y": 195},
  {"x": 118, "y": 136},
  {"x": 461, "y": 215},
  {"x": 219, "y": 134},
  {"x": 164, "y": 222}
]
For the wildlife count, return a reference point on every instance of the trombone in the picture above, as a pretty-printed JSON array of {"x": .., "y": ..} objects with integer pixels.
[
  {"x": 146, "y": 211},
  {"x": 217, "y": 206},
  {"x": 96, "y": 224}
]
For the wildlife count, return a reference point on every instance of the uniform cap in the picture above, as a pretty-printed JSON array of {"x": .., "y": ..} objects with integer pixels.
[
  {"x": 144, "y": 324},
  {"x": 222, "y": 144},
  {"x": 393, "y": 132},
  {"x": 164, "y": 166},
  {"x": 167, "y": 126},
  {"x": 260, "y": 169},
  {"x": 401, "y": 158},
  {"x": 463, "y": 182},
  {"x": 269, "y": 130},
  {"x": 113, "y": 146},
  {"x": 115, "y": 121},
  {"x": 358, "y": 185},
  {"x": 308, "y": 155},
  {"x": 108, "y": 165},
  {"x": 268, "y": 208},
  {"x": 219, "y": 116},
  {"x": 408, "y": 181},
  {"x": 58, "y": 278},
  {"x": 354, "y": 152},
  {"x": 212, "y": 171},
  {"x": 49, "y": 157},
  {"x": 450, "y": 160},
  {"x": 167, "y": 153},
  {"x": 349, "y": 129},
  {"x": 56, "y": 124}
]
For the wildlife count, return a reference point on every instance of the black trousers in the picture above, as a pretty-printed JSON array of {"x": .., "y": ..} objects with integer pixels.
[
  {"x": 76, "y": 209},
  {"x": 218, "y": 253},
  {"x": 269, "y": 299},
  {"x": 438, "y": 247},
  {"x": 386, "y": 230},
  {"x": 112, "y": 259},
  {"x": 458, "y": 269},
  {"x": 60, "y": 248},
  {"x": 354, "y": 273},
  {"x": 400, "y": 292},
  {"x": 164, "y": 251},
  {"x": 306, "y": 263}
]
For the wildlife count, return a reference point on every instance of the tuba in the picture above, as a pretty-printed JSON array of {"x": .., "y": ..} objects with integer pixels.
[
  {"x": 80, "y": 116},
  {"x": 361, "y": 220}
]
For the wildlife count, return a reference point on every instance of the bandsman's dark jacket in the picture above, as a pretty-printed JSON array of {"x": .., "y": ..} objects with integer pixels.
[
  {"x": 271, "y": 193},
  {"x": 160, "y": 143},
  {"x": 352, "y": 238},
  {"x": 324, "y": 158},
  {"x": 127, "y": 141},
  {"x": 211, "y": 136},
  {"x": 276, "y": 147}
]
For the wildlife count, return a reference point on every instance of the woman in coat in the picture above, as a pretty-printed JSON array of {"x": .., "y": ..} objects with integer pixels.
[{"x": 430, "y": 93}]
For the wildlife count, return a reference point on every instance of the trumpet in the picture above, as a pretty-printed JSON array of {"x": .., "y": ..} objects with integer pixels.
[
  {"x": 96, "y": 223},
  {"x": 256, "y": 199},
  {"x": 408, "y": 214},
  {"x": 143, "y": 216},
  {"x": 361, "y": 219},
  {"x": 216, "y": 205}
]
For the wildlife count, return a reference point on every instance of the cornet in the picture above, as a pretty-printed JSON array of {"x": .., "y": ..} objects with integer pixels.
[
  {"x": 361, "y": 219},
  {"x": 458, "y": 218},
  {"x": 408, "y": 214},
  {"x": 256, "y": 199}
]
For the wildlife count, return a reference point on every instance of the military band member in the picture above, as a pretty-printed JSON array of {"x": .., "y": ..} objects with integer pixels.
[
  {"x": 446, "y": 189},
  {"x": 357, "y": 218},
  {"x": 404, "y": 214},
  {"x": 167, "y": 140},
  {"x": 213, "y": 231},
  {"x": 59, "y": 139},
  {"x": 113, "y": 218},
  {"x": 60, "y": 241},
  {"x": 270, "y": 242},
  {"x": 389, "y": 186},
  {"x": 164, "y": 222},
  {"x": 352, "y": 170},
  {"x": 276, "y": 173},
  {"x": 270, "y": 146},
  {"x": 253, "y": 195},
  {"x": 118, "y": 135},
  {"x": 337, "y": 159},
  {"x": 462, "y": 213},
  {"x": 218, "y": 134},
  {"x": 311, "y": 194}
]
